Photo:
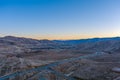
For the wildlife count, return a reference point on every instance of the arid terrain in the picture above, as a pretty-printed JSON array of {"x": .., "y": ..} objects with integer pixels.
[{"x": 85, "y": 59}]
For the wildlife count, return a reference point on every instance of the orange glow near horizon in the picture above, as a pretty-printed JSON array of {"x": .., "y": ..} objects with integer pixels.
[
  {"x": 67, "y": 37},
  {"x": 63, "y": 37}
]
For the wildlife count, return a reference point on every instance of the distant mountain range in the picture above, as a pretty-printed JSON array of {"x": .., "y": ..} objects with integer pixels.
[
  {"x": 35, "y": 41},
  {"x": 93, "y": 44}
]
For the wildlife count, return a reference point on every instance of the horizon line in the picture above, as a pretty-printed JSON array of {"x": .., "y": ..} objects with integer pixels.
[{"x": 58, "y": 39}]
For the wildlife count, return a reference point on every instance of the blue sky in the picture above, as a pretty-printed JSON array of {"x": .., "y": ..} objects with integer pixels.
[{"x": 60, "y": 19}]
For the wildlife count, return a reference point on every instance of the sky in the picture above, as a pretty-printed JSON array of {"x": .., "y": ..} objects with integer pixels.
[{"x": 60, "y": 19}]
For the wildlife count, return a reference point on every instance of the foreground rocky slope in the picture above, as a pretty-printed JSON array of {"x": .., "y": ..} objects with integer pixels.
[{"x": 81, "y": 68}]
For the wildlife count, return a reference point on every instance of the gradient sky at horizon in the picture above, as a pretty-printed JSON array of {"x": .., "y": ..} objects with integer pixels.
[{"x": 60, "y": 19}]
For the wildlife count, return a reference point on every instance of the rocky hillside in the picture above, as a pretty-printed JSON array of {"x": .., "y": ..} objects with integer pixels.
[
  {"x": 59, "y": 60},
  {"x": 95, "y": 44}
]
